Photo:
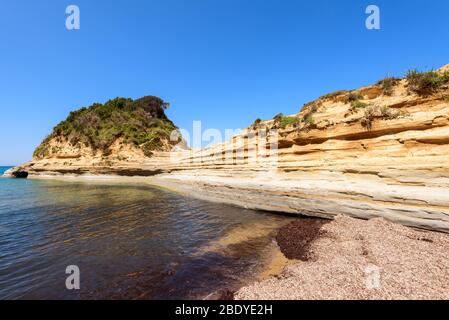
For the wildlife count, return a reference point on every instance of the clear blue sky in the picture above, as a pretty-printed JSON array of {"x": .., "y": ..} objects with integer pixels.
[{"x": 224, "y": 62}]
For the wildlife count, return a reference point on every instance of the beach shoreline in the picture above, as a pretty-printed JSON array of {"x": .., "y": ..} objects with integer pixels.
[{"x": 343, "y": 246}]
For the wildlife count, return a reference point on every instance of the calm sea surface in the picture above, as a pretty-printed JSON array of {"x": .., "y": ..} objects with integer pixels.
[{"x": 129, "y": 241}]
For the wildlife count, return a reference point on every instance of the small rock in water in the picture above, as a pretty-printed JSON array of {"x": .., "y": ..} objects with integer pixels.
[{"x": 20, "y": 174}]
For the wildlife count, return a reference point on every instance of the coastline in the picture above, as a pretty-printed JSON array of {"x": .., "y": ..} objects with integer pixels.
[
  {"x": 337, "y": 257},
  {"x": 385, "y": 159},
  {"x": 373, "y": 154},
  {"x": 306, "y": 195}
]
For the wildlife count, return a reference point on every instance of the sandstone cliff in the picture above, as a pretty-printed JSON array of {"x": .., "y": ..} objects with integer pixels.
[{"x": 379, "y": 151}]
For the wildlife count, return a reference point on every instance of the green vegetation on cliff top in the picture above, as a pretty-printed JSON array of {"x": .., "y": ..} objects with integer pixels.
[{"x": 140, "y": 122}]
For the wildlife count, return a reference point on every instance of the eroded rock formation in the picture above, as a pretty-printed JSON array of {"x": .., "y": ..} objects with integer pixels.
[{"x": 379, "y": 151}]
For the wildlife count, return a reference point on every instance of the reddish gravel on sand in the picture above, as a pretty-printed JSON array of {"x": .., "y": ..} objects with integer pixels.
[
  {"x": 358, "y": 259},
  {"x": 296, "y": 238}
]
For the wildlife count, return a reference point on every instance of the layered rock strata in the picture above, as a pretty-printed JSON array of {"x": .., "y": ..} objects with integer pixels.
[{"x": 373, "y": 152}]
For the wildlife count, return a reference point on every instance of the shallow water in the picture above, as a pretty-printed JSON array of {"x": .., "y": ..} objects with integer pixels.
[{"x": 129, "y": 241}]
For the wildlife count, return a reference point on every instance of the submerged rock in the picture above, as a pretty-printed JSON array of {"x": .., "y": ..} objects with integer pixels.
[
  {"x": 20, "y": 174},
  {"x": 16, "y": 173}
]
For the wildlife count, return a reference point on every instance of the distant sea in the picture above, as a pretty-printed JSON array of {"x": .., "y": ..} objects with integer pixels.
[
  {"x": 3, "y": 169},
  {"x": 129, "y": 241}
]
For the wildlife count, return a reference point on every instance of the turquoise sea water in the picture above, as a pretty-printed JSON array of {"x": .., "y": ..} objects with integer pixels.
[
  {"x": 3, "y": 169},
  {"x": 129, "y": 241}
]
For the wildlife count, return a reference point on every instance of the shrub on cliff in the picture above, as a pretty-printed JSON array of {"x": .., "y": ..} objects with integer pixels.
[
  {"x": 141, "y": 122},
  {"x": 354, "y": 96},
  {"x": 387, "y": 85},
  {"x": 307, "y": 117},
  {"x": 256, "y": 124},
  {"x": 357, "y": 104},
  {"x": 288, "y": 121},
  {"x": 377, "y": 112},
  {"x": 333, "y": 95},
  {"x": 425, "y": 83}
]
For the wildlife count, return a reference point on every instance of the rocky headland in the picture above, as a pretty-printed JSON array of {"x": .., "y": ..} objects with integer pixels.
[{"x": 381, "y": 151}]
